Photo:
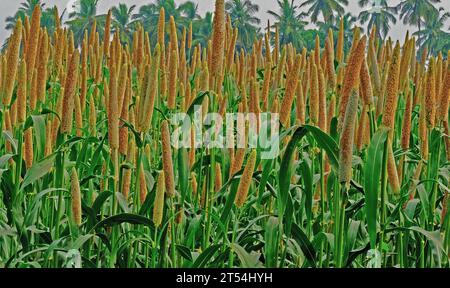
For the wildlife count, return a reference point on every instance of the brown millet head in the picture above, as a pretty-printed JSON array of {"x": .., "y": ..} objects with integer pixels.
[
  {"x": 392, "y": 171},
  {"x": 22, "y": 93},
  {"x": 390, "y": 105},
  {"x": 382, "y": 92},
  {"x": 347, "y": 139},
  {"x": 423, "y": 133},
  {"x": 107, "y": 33},
  {"x": 189, "y": 41},
  {"x": 123, "y": 132},
  {"x": 7, "y": 127},
  {"x": 167, "y": 159},
  {"x": 352, "y": 75},
  {"x": 218, "y": 177},
  {"x": 42, "y": 68},
  {"x": 238, "y": 160},
  {"x": 276, "y": 49},
  {"x": 113, "y": 111},
  {"x": 173, "y": 36},
  {"x": 76, "y": 197},
  {"x": 406, "y": 127},
  {"x": 142, "y": 185},
  {"x": 122, "y": 84},
  {"x": 246, "y": 180},
  {"x": 375, "y": 69},
  {"x": 317, "y": 52},
  {"x": 289, "y": 96},
  {"x": 430, "y": 95},
  {"x": 322, "y": 124},
  {"x": 33, "y": 41},
  {"x": 366, "y": 85},
  {"x": 12, "y": 61},
  {"x": 69, "y": 93},
  {"x": 92, "y": 116},
  {"x": 28, "y": 152},
  {"x": 331, "y": 73},
  {"x": 266, "y": 84},
  {"x": 218, "y": 43},
  {"x": 158, "y": 207},
  {"x": 361, "y": 128},
  {"x": 404, "y": 64},
  {"x": 340, "y": 43},
  {"x": 331, "y": 111},
  {"x": 194, "y": 184},
  {"x": 173, "y": 79},
  {"x": 149, "y": 94},
  {"x": 300, "y": 105},
  {"x": 356, "y": 38},
  {"x": 78, "y": 117},
  {"x": 447, "y": 140},
  {"x": 445, "y": 96},
  {"x": 162, "y": 30},
  {"x": 232, "y": 49},
  {"x": 438, "y": 76},
  {"x": 267, "y": 47},
  {"x": 314, "y": 96}
]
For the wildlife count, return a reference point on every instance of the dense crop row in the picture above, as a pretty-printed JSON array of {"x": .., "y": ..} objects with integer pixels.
[{"x": 88, "y": 175}]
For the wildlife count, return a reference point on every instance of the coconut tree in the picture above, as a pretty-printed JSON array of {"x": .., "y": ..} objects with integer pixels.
[
  {"x": 433, "y": 35},
  {"x": 183, "y": 14},
  {"x": 290, "y": 23},
  {"x": 202, "y": 29},
  {"x": 379, "y": 14},
  {"x": 82, "y": 18},
  {"x": 122, "y": 20},
  {"x": 242, "y": 13},
  {"x": 48, "y": 20},
  {"x": 349, "y": 22},
  {"x": 415, "y": 12},
  {"x": 329, "y": 9},
  {"x": 189, "y": 12},
  {"x": 26, "y": 9},
  {"x": 148, "y": 16}
]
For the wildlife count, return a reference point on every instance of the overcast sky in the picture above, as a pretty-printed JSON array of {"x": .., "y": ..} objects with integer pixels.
[{"x": 8, "y": 8}]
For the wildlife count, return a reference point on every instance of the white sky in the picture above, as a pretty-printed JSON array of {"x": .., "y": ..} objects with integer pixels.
[{"x": 8, "y": 7}]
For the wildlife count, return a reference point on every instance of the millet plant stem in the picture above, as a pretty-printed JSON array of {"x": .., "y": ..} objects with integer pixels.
[
  {"x": 383, "y": 195},
  {"x": 341, "y": 227},
  {"x": 235, "y": 222},
  {"x": 59, "y": 180},
  {"x": 322, "y": 201}
]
